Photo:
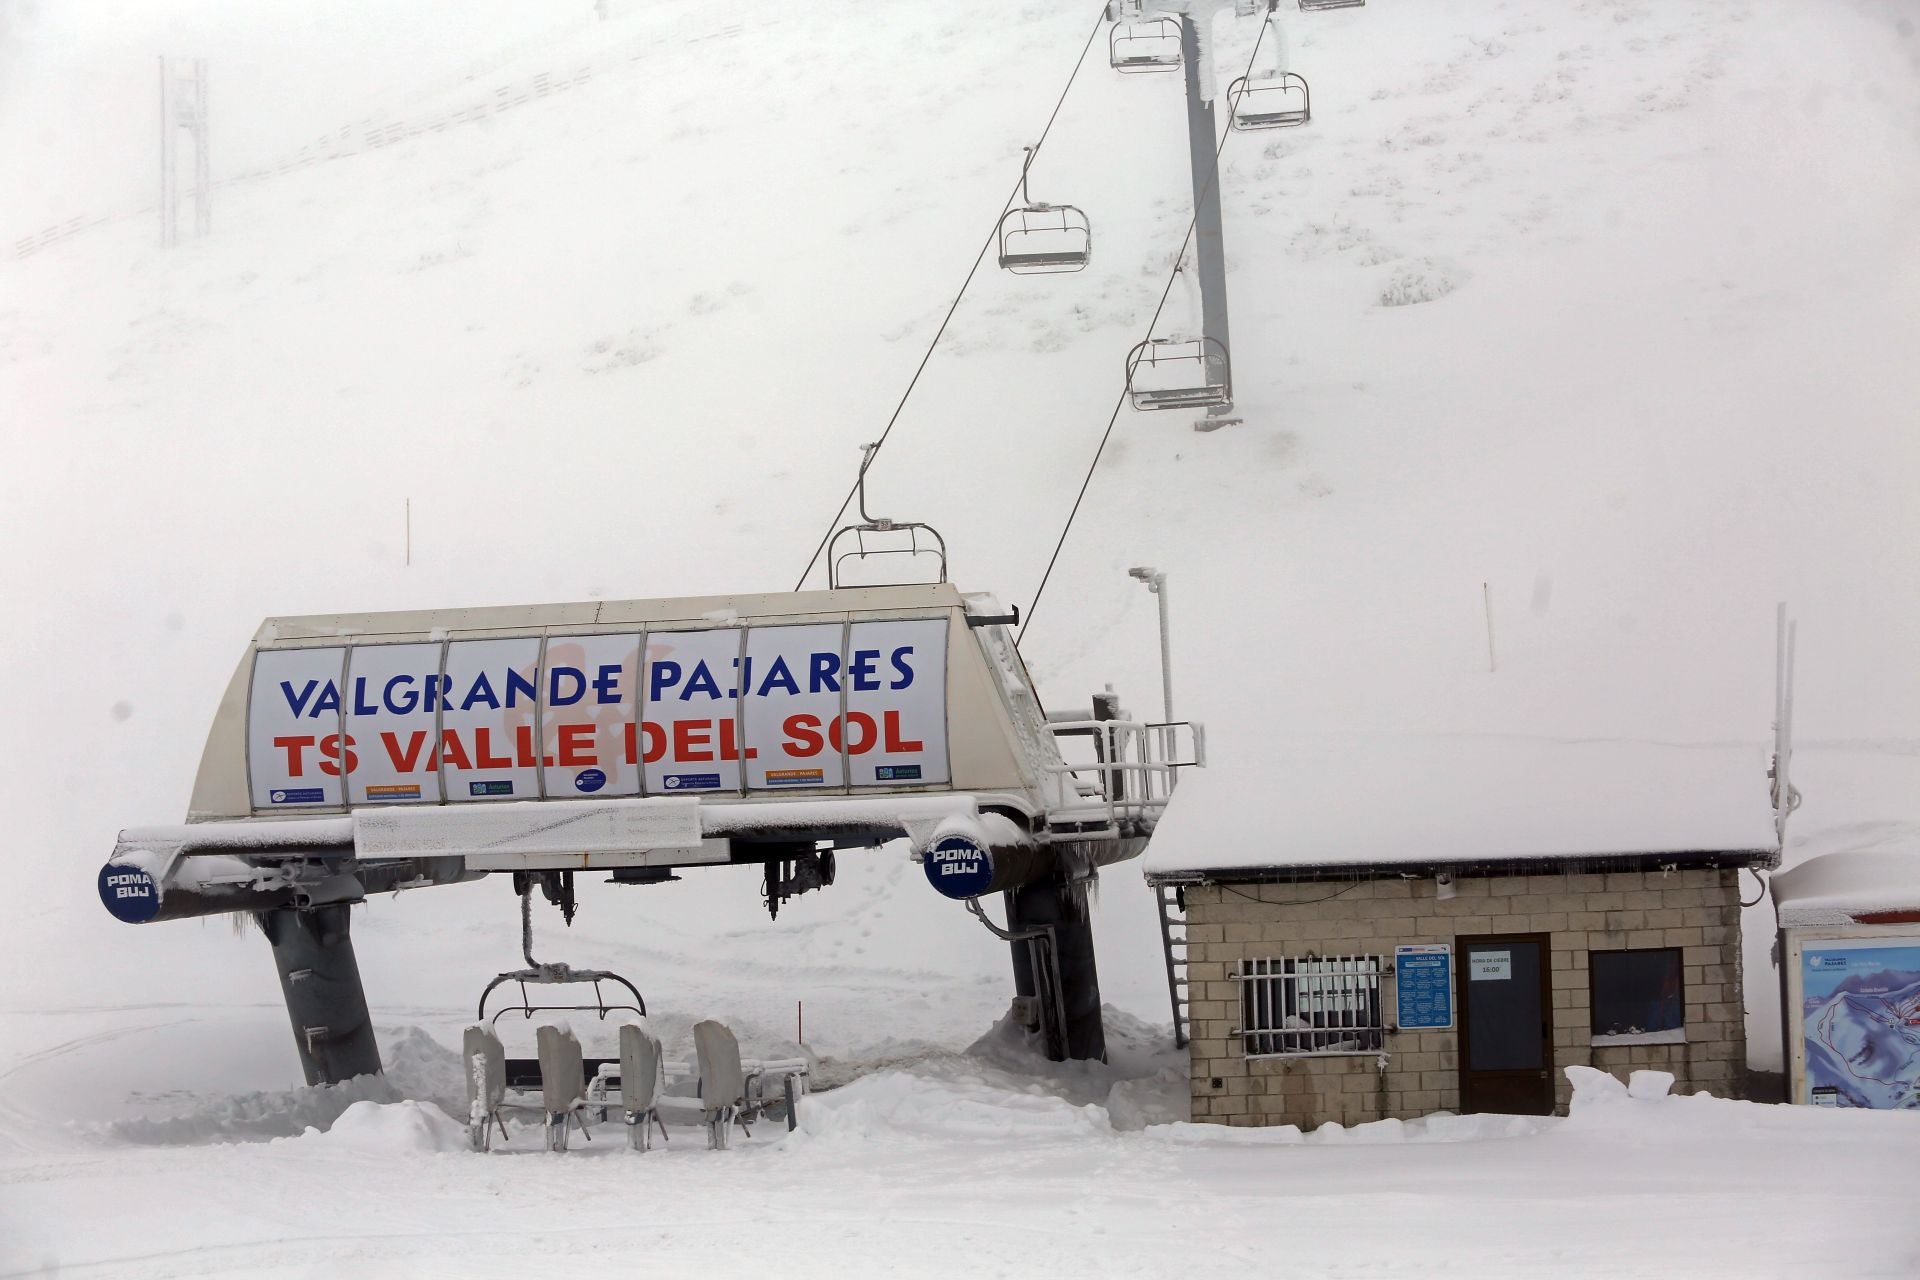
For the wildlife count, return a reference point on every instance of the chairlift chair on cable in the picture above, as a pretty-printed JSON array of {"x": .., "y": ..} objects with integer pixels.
[
  {"x": 1152, "y": 44},
  {"x": 1173, "y": 373},
  {"x": 1268, "y": 100},
  {"x": 1037, "y": 238}
]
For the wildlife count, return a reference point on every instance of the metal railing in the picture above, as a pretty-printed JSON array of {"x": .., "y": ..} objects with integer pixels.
[
  {"x": 1311, "y": 1005},
  {"x": 1133, "y": 773}
]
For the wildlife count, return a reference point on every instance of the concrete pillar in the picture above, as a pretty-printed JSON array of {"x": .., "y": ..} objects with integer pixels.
[{"x": 321, "y": 982}]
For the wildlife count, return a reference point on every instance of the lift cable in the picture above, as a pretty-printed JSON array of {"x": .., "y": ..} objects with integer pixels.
[
  {"x": 991, "y": 241},
  {"x": 1119, "y": 401}
]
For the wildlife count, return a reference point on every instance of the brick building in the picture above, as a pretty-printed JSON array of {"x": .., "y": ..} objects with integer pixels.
[{"x": 1451, "y": 931}]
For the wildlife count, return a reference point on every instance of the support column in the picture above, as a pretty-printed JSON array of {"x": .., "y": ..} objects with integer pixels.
[
  {"x": 1063, "y": 906},
  {"x": 321, "y": 982},
  {"x": 1208, "y": 243}
]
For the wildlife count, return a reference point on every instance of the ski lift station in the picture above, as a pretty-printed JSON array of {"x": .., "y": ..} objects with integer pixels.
[{"x": 358, "y": 754}]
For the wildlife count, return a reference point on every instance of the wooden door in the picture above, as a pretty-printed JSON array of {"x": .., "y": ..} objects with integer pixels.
[{"x": 1506, "y": 1024}]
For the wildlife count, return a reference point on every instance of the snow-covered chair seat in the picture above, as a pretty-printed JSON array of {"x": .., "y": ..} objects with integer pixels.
[
  {"x": 643, "y": 1078},
  {"x": 486, "y": 1073},
  {"x": 722, "y": 1084},
  {"x": 563, "y": 1084}
]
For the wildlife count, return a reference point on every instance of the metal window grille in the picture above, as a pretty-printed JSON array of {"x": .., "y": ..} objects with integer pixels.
[{"x": 1311, "y": 1005}]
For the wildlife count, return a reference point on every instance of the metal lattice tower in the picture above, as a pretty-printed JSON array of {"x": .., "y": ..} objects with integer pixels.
[{"x": 183, "y": 106}]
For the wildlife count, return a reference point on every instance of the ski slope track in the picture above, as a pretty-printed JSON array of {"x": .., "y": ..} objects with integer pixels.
[{"x": 1606, "y": 305}]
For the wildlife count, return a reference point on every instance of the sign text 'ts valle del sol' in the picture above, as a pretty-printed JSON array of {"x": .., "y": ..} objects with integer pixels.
[{"x": 821, "y": 705}]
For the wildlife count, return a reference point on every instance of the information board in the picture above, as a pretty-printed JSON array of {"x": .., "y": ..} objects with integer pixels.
[
  {"x": 1423, "y": 985},
  {"x": 1859, "y": 1023}
]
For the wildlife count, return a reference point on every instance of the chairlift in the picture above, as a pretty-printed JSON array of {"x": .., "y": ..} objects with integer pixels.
[
  {"x": 1268, "y": 100},
  {"x": 525, "y": 1073},
  {"x": 1173, "y": 373},
  {"x": 877, "y": 537},
  {"x": 1037, "y": 238},
  {"x": 1152, "y": 44},
  {"x": 1311, "y": 5}
]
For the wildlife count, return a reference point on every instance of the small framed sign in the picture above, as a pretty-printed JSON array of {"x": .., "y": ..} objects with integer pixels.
[{"x": 1423, "y": 986}]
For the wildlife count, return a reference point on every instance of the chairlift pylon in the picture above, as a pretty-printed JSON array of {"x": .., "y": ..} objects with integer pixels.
[
  {"x": 1268, "y": 100},
  {"x": 1037, "y": 238},
  {"x": 1147, "y": 45},
  {"x": 1175, "y": 373}
]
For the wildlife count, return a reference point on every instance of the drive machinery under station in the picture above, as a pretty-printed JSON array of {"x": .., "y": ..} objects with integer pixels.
[{"x": 360, "y": 754}]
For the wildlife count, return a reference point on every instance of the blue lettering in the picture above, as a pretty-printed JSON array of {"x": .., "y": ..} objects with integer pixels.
[
  {"x": 824, "y": 673},
  {"x": 400, "y": 706},
  {"x": 481, "y": 691},
  {"x": 360, "y": 707},
  {"x": 518, "y": 687},
  {"x": 297, "y": 702},
  {"x": 329, "y": 700},
  {"x": 700, "y": 681},
  {"x": 778, "y": 677},
  {"x": 437, "y": 687},
  {"x": 663, "y": 677},
  {"x": 900, "y": 665},
  {"x": 861, "y": 669},
  {"x": 557, "y": 699},
  {"x": 606, "y": 686}
]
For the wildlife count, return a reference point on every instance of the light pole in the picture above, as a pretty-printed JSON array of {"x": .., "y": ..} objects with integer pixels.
[{"x": 1157, "y": 583}]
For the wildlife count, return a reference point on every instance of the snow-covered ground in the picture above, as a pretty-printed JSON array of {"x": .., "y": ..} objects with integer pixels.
[{"x": 1605, "y": 304}]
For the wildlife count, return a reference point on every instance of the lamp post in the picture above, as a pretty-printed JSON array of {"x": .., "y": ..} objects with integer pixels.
[{"x": 1157, "y": 583}]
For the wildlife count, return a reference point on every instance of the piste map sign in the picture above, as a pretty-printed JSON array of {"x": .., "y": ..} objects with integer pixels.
[{"x": 774, "y": 708}]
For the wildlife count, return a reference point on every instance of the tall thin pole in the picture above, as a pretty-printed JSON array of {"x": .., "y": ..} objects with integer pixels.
[
  {"x": 1209, "y": 246},
  {"x": 1166, "y": 651}
]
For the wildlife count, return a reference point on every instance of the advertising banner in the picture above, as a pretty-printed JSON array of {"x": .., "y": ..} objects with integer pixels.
[
  {"x": 775, "y": 708},
  {"x": 1860, "y": 1019},
  {"x": 1423, "y": 986}
]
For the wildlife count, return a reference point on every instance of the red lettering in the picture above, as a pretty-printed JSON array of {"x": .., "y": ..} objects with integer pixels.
[
  {"x": 803, "y": 736},
  {"x": 862, "y": 724},
  {"x": 523, "y": 745},
  {"x": 891, "y": 719},
  {"x": 295, "y": 749},
  {"x": 690, "y": 738},
  {"x": 331, "y": 748},
  {"x": 452, "y": 751},
  {"x": 729, "y": 749},
  {"x": 630, "y": 743},
  {"x": 654, "y": 739},
  {"x": 483, "y": 759},
  {"x": 576, "y": 745},
  {"x": 404, "y": 761}
]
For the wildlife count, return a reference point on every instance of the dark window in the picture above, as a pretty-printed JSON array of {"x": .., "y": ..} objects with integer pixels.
[
  {"x": 1635, "y": 992},
  {"x": 1311, "y": 1004}
]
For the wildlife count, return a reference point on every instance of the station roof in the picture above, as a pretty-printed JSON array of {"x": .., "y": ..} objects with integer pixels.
[
  {"x": 1853, "y": 886},
  {"x": 1348, "y": 803}
]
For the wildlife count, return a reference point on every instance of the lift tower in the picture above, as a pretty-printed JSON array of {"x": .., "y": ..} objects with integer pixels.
[{"x": 183, "y": 108}]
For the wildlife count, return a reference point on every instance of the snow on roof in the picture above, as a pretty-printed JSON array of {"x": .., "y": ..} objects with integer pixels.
[
  {"x": 1354, "y": 800},
  {"x": 1835, "y": 888}
]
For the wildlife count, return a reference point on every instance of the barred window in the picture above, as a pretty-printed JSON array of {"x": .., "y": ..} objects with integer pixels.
[{"x": 1310, "y": 1004}]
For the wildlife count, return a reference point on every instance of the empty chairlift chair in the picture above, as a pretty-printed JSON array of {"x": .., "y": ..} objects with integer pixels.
[
  {"x": 642, "y": 1079},
  {"x": 1268, "y": 100},
  {"x": 1152, "y": 44},
  {"x": 1168, "y": 373},
  {"x": 1037, "y": 238},
  {"x": 723, "y": 1085}
]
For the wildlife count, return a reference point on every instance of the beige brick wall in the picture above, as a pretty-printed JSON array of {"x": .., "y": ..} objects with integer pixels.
[{"x": 1698, "y": 911}]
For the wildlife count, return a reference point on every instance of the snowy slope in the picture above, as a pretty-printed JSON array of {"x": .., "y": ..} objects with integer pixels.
[{"x": 624, "y": 340}]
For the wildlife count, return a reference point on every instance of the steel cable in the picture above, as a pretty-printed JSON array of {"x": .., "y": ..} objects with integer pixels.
[
  {"x": 1121, "y": 400},
  {"x": 978, "y": 258}
]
